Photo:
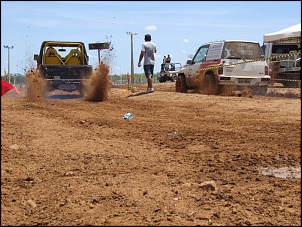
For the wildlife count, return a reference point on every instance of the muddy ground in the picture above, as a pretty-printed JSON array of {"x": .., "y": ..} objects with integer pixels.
[{"x": 184, "y": 159}]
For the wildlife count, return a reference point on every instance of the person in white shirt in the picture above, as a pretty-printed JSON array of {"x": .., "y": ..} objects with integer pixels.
[{"x": 147, "y": 52}]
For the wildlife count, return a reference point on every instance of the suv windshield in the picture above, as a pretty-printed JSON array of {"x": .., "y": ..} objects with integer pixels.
[{"x": 241, "y": 50}]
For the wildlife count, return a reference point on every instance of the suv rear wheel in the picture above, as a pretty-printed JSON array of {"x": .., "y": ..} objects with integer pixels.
[
  {"x": 209, "y": 87},
  {"x": 259, "y": 90}
]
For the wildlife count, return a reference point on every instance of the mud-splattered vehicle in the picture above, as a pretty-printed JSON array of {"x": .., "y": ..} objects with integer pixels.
[
  {"x": 64, "y": 72},
  {"x": 225, "y": 65},
  {"x": 169, "y": 71}
]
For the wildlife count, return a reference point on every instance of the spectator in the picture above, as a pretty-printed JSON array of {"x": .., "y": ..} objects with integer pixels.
[
  {"x": 168, "y": 60},
  {"x": 164, "y": 60},
  {"x": 163, "y": 64},
  {"x": 147, "y": 52}
]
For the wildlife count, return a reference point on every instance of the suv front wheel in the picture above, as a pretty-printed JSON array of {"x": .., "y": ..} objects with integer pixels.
[{"x": 181, "y": 84}]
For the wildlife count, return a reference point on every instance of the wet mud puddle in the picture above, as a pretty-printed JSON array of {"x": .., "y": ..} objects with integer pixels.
[{"x": 284, "y": 172}]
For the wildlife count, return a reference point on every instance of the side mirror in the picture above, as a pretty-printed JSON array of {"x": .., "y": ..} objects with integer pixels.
[
  {"x": 36, "y": 57},
  {"x": 189, "y": 62}
]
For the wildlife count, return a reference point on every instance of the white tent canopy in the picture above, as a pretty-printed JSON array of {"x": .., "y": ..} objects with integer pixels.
[{"x": 291, "y": 32}]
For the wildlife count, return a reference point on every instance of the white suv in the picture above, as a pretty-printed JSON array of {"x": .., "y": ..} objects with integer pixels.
[{"x": 226, "y": 63}]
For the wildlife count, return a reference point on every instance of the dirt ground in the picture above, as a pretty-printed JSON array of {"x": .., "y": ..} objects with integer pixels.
[{"x": 183, "y": 160}]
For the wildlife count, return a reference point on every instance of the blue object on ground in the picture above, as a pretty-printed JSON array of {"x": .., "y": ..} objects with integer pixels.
[{"x": 128, "y": 116}]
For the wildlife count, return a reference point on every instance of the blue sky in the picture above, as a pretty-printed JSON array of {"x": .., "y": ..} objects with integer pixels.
[{"x": 178, "y": 28}]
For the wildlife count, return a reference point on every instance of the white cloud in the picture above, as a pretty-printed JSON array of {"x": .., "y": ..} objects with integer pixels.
[
  {"x": 151, "y": 28},
  {"x": 186, "y": 40},
  {"x": 157, "y": 56}
]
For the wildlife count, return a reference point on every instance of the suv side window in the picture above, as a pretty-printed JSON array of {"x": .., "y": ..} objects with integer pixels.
[{"x": 201, "y": 54}]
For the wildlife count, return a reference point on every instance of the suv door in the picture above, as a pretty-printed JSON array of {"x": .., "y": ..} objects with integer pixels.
[{"x": 191, "y": 72}]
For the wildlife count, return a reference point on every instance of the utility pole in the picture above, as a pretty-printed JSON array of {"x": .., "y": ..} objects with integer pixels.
[
  {"x": 8, "y": 47},
  {"x": 132, "y": 65},
  {"x": 99, "y": 55}
]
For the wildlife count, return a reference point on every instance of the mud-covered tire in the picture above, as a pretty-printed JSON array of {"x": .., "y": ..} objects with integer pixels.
[
  {"x": 181, "y": 84},
  {"x": 209, "y": 86},
  {"x": 263, "y": 90},
  {"x": 259, "y": 90}
]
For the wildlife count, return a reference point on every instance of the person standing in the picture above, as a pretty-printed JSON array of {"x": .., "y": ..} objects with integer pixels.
[
  {"x": 163, "y": 64},
  {"x": 147, "y": 52},
  {"x": 164, "y": 60},
  {"x": 168, "y": 60}
]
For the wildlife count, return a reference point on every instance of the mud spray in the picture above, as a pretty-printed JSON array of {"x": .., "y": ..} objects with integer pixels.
[
  {"x": 97, "y": 87},
  {"x": 36, "y": 86}
]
